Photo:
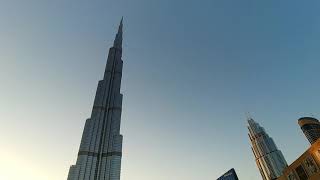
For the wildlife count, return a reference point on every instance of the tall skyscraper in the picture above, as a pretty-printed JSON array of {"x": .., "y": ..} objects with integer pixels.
[
  {"x": 100, "y": 151},
  {"x": 310, "y": 127},
  {"x": 269, "y": 159},
  {"x": 230, "y": 175}
]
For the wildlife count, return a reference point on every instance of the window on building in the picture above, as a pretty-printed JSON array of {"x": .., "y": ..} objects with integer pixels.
[
  {"x": 310, "y": 166},
  {"x": 292, "y": 176},
  {"x": 301, "y": 173}
]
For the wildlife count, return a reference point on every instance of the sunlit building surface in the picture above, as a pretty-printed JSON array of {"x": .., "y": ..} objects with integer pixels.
[
  {"x": 306, "y": 167},
  {"x": 100, "y": 151},
  {"x": 310, "y": 127},
  {"x": 230, "y": 175},
  {"x": 269, "y": 159}
]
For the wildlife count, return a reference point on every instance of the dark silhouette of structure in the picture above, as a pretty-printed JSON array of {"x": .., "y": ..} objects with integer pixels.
[{"x": 230, "y": 175}]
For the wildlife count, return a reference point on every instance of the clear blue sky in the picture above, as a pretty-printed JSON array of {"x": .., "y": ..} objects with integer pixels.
[{"x": 191, "y": 71}]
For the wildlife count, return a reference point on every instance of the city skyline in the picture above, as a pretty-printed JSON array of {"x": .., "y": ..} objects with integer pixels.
[{"x": 192, "y": 70}]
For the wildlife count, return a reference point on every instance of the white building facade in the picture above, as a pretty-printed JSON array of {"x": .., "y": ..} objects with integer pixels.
[{"x": 269, "y": 159}]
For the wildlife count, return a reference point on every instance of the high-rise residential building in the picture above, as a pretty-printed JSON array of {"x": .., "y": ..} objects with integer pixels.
[
  {"x": 100, "y": 151},
  {"x": 229, "y": 175},
  {"x": 310, "y": 127},
  {"x": 269, "y": 159}
]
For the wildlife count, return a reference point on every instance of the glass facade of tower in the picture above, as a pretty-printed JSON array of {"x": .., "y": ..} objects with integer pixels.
[
  {"x": 100, "y": 151},
  {"x": 269, "y": 159},
  {"x": 230, "y": 175},
  {"x": 311, "y": 128}
]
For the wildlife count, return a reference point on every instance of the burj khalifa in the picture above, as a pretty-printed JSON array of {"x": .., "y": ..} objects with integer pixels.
[{"x": 100, "y": 152}]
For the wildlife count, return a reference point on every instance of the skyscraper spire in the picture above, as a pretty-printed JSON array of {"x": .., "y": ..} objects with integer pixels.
[
  {"x": 100, "y": 151},
  {"x": 118, "y": 40}
]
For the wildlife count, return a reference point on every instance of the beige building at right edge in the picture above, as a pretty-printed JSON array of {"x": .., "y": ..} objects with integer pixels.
[{"x": 306, "y": 167}]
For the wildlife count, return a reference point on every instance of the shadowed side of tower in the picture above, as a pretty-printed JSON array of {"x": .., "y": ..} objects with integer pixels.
[{"x": 100, "y": 151}]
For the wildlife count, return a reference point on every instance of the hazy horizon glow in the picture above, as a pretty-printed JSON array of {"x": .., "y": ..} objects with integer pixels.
[{"x": 191, "y": 72}]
